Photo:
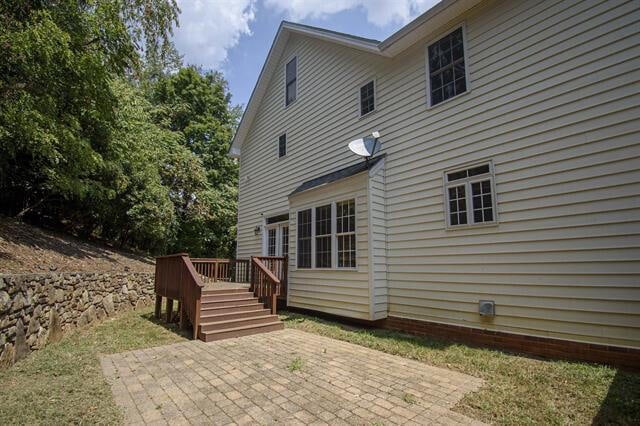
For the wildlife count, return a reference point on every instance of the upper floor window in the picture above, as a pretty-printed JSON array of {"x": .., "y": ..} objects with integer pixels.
[
  {"x": 291, "y": 80},
  {"x": 447, "y": 69},
  {"x": 282, "y": 145},
  {"x": 367, "y": 98},
  {"x": 470, "y": 198}
]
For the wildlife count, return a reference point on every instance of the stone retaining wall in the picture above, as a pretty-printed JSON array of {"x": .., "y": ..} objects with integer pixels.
[{"x": 38, "y": 308}]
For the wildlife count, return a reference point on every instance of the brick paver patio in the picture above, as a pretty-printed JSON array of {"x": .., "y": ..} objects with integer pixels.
[{"x": 253, "y": 379}]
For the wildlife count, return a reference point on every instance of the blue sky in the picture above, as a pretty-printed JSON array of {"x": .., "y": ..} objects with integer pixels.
[{"x": 234, "y": 36}]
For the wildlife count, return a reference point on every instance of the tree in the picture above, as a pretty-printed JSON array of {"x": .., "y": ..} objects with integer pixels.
[{"x": 197, "y": 105}]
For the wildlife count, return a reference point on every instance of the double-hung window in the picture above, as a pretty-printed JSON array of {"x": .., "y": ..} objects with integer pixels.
[
  {"x": 304, "y": 238},
  {"x": 323, "y": 236},
  {"x": 291, "y": 81},
  {"x": 327, "y": 236},
  {"x": 447, "y": 68},
  {"x": 470, "y": 196},
  {"x": 346, "y": 233}
]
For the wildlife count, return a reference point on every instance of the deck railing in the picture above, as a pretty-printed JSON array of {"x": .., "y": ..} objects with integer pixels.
[
  {"x": 265, "y": 285},
  {"x": 180, "y": 278},
  {"x": 230, "y": 270},
  {"x": 177, "y": 279},
  {"x": 279, "y": 265}
]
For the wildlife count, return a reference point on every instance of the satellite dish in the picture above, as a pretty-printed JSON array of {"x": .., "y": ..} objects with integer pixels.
[{"x": 366, "y": 147}]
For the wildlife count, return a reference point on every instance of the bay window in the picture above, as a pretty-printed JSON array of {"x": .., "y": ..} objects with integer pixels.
[{"x": 326, "y": 236}]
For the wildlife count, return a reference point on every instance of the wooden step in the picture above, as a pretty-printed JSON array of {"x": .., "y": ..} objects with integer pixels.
[
  {"x": 228, "y": 302},
  {"x": 226, "y": 296},
  {"x": 214, "y": 315},
  {"x": 249, "y": 306},
  {"x": 211, "y": 336},
  {"x": 215, "y": 291},
  {"x": 255, "y": 320}
]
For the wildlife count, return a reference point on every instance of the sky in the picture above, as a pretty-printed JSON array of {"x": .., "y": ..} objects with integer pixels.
[{"x": 234, "y": 36}]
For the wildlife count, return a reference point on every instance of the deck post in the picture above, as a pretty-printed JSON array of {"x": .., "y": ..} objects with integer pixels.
[
  {"x": 274, "y": 303},
  {"x": 169, "y": 309},
  {"x": 158, "y": 305}
]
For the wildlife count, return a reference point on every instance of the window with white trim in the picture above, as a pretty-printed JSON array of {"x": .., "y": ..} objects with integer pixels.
[
  {"x": 327, "y": 236},
  {"x": 346, "y": 233},
  {"x": 323, "y": 236},
  {"x": 291, "y": 81},
  {"x": 367, "y": 98},
  {"x": 447, "y": 68},
  {"x": 304, "y": 239},
  {"x": 470, "y": 197}
]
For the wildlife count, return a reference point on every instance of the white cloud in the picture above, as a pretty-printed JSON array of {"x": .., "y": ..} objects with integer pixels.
[
  {"x": 209, "y": 28},
  {"x": 379, "y": 12}
]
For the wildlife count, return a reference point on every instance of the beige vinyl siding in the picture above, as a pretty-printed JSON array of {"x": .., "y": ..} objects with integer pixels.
[
  {"x": 335, "y": 291},
  {"x": 554, "y": 103},
  {"x": 378, "y": 243}
]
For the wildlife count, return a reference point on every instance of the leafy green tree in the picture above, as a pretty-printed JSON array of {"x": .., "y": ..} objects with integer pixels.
[{"x": 197, "y": 105}]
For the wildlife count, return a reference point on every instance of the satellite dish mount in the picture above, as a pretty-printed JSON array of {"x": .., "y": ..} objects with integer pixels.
[{"x": 366, "y": 147}]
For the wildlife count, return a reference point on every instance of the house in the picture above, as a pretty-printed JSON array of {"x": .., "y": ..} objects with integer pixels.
[{"x": 504, "y": 205}]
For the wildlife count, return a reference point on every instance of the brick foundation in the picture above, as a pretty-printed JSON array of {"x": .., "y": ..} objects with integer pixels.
[{"x": 540, "y": 346}]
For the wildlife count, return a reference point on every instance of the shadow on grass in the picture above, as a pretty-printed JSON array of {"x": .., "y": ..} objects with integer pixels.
[
  {"x": 172, "y": 326},
  {"x": 621, "y": 406}
]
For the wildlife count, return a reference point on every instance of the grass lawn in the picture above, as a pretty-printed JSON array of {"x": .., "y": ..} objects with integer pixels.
[
  {"x": 63, "y": 383},
  {"x": 518, "y": 389}
]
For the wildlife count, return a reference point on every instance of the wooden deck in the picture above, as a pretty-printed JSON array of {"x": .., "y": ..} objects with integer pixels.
[{"x": 221, "y": 298}]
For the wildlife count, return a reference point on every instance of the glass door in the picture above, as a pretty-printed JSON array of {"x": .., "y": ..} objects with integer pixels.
[{"x": 277, "y": 240}]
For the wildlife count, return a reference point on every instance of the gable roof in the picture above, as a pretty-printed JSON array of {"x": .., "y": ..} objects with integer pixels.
[
  {"x": 404, "y": 38},
  {"x": 337, "y": 175}
]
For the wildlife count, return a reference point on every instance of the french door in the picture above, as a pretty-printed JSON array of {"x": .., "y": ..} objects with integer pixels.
[{"x": 277, "y": 240}]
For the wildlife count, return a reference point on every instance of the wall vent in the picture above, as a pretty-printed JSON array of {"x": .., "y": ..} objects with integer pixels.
[{"x": 487, "y": 308}]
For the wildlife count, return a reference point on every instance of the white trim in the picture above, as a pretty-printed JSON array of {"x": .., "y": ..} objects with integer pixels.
[
  {"x": 466, "y": 182},
  {"x": 370, "y": 250},
  {"x": 463, "y": 26},
  {"x": 289, "y": 59},
  {"x": 375, "y": 97}
]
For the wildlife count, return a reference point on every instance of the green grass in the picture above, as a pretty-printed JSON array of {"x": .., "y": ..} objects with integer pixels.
[
  {"x": 518, "y": 389},
  {"x": 296, "y": 364},
  {"x": 63, "y": 382}
]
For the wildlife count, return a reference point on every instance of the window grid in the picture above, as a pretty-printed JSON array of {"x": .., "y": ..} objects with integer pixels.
[
  {"x": 291, "y": 80},
  {"x": 469, "y": 196},
  {"x": 457, "y": 205},
  {"x": 282, "y": 145},
  {"x": 367, "y": 98},
  {"x": 285, "y": 240},
  {"x": 346, "y": 233},
  {"x": 482, "y": 201},
  {"x": 304, "y": 239},
  {"x": 447, "y": 73},
  {"x": 271, "y": 242},
  {"x": 323, "y": 236}
]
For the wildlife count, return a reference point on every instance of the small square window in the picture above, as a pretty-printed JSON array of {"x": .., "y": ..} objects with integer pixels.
[
  {"x": 367, "y": 98},
  {"x": 282, "y": 145},
  {"x": 447, "y": 72}
]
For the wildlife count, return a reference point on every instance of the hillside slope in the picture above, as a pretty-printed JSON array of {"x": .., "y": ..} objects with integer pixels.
[{"x": 28, "y": 249}]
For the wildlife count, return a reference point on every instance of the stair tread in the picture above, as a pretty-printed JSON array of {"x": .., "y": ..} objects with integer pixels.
[
  {"x": 258, "y": 309},
  {"x": 244, "y": 327},
  {"x": 235, "y": 299},
  {"x": 212, "y": 308},
  {"x": 237, "y": 319}
]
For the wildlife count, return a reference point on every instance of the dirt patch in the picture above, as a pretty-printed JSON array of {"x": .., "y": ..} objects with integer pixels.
[{"x": 28, "y": 249}]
